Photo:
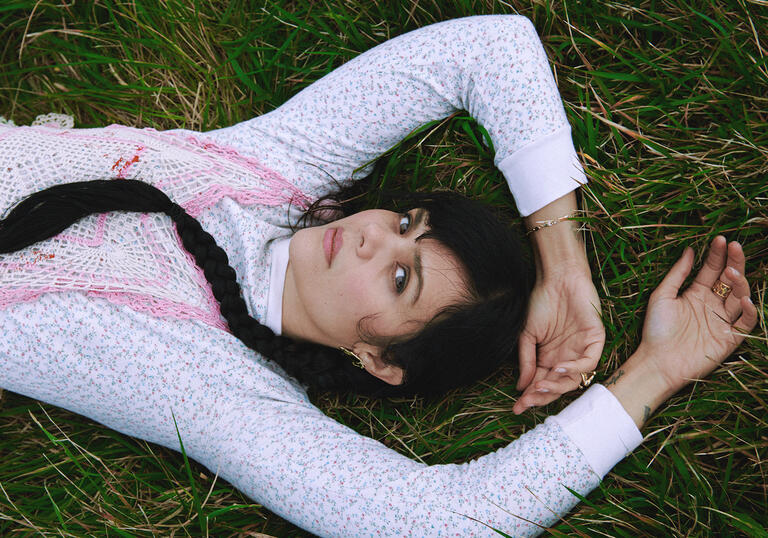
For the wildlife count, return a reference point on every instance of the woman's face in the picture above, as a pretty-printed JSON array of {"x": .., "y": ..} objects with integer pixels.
[{"x": 370, "y": 274}]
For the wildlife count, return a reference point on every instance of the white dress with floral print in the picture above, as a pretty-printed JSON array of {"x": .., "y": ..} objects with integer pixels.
[{"x": 136, "y": 369}]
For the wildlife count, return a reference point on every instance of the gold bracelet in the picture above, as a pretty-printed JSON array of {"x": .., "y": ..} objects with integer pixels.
[{"x": 547, "y": 223}]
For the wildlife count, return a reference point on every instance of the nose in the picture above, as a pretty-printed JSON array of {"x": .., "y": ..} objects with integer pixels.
[{"x": 376, "y": 239}]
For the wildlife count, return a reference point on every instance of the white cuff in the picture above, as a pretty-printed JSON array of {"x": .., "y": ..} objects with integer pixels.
[
  {"x": 601, "y": 428},
  {"x": 543, "y": 171}
]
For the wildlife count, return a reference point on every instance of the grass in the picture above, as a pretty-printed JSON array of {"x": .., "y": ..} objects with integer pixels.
[{"x": 668, "y": 106}]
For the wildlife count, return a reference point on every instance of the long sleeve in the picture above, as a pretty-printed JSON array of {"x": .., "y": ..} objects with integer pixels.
[
  {"x": 241, "y": 418},
  {"x": 492, "y": 66}
]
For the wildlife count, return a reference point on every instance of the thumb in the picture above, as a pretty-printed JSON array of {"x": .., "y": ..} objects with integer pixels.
[
  {"x": 526, "y": 352},
  {"x": 671, "y": 284}
]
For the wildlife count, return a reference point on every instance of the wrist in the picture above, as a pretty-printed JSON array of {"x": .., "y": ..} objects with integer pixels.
[
  {"x": 558, "y": 248},
  {"x": 639, "y": 387}
]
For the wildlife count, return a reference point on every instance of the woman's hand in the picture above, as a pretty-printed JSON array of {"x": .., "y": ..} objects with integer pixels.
[
  {"x": 686, "y": 336},
  {"x": 563, "y": 330}
]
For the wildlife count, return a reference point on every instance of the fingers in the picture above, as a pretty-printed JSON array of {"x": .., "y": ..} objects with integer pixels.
[
  {"x": 534, "y": 399},
  {"x": 748, "y": 318},
  {"x": 671, "y": 284},
  {"x": 528, "y": 398},
  {"x": 739, "y": 289},
  {"x": 574, "y": 369},
  {"x": 556, "y": 386},
  {"x": 734, "y": 277},
  {"x": 592, "y": 355},
  {"x": 721, "y": 255},
  {"x": 714, "y": 263},
  {"x": 549, "y": 384},
  {"x": 736, "y": 258},
  {"x": 526, "y": 347},
  {"x": 569, "y": 373}
]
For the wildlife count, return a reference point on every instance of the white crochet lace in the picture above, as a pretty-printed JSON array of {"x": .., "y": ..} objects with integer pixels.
[{"x": 127, "y": 258}]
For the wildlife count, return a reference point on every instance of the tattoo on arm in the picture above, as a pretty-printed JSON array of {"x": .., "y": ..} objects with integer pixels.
[
  {"x": 615, "y": 378},
  {"x": 646, "y": 413}
]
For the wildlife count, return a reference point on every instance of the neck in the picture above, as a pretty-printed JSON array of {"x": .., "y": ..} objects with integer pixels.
[{"x": 295, "y": 321}]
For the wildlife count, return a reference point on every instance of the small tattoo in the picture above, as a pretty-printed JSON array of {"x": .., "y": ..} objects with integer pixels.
[
  {"x": 646, "y": 413},
  {"x": 615, "y": 378}
]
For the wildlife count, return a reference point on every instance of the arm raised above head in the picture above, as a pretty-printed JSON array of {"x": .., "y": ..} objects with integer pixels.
[
  {"x": 492, "y": 66},
  {"x": 495, "y": 68}
]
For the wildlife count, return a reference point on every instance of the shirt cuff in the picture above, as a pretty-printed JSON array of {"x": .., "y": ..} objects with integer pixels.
[
  {"x": 543, "y": 171},
  {"x": 600, "y": 427}
]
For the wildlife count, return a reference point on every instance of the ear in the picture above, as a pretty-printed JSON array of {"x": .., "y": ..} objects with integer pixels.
[{"x": 374, "y": 365}]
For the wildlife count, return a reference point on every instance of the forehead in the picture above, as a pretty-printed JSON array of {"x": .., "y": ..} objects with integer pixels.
[{"x": 443, "y": 276}]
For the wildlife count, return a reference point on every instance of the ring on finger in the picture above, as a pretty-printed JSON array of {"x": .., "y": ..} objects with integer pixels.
[
  {"x": 721, "y": 289},
  {"x": 587, "y": 378}
]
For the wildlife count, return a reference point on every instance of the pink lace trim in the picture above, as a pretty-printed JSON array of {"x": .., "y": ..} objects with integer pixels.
[
  {"x": 162, "y": 309},
  {"x": 41, "y": 263},
  {"x": 204, "y": 286},
  {"x": 277, "y": 190}
]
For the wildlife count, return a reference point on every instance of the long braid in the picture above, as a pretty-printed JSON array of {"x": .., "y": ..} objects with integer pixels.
[{"x": 50, "y": 211}]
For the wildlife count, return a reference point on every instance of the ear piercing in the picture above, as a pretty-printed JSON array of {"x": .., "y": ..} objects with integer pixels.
[{"x": 357, "y": 361}]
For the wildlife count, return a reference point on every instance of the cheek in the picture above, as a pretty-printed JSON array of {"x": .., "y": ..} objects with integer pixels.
[
  {"x": 359, "y": 298},
  {"x": 356, "y": 291}
]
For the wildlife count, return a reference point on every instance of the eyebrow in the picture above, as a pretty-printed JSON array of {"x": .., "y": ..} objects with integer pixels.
[
  {"x": 417, "y": 219},
  {"x": 419, "y": 277}
]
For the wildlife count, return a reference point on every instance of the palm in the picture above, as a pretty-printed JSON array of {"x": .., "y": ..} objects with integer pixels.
[
  {"x": 696, "y": 322},
  {"x": 688, "y": 335},
  {"x": 685, "y": 336},
  {"x": 565, "y": 323}
]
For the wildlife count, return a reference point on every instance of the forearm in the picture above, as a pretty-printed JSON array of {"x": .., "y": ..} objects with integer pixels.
[{"x": 558, "y": 249}]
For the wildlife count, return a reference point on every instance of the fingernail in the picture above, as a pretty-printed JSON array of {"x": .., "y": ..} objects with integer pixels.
[
  {"x": 542, "y": 390},
  {"x": 560, "y": 370},
  {"x": 750, "y": 300},
  {"x": 735, "y": 272}
]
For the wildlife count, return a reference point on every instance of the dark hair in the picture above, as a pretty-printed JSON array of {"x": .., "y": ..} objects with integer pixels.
[{"x": 462, "y": 344}]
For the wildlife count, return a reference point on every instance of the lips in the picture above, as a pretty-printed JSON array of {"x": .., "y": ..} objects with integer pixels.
[{"x": 332, "y": 241}]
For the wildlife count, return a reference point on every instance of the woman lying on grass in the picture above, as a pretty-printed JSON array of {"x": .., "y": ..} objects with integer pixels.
[{"x": 117, "y": 305}]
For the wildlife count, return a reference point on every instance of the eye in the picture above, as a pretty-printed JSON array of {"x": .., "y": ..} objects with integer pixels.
[
  {"x": 401, "y": 279},
  {"x": 405, "y": 223}
]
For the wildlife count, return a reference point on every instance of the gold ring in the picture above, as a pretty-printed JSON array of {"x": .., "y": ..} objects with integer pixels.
[
  {"x": 587, "y": 378},
  {"x": 721, "y": 289}
]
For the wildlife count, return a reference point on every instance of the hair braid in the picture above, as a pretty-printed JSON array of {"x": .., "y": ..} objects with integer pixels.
[{"x": 50, "y": 211}]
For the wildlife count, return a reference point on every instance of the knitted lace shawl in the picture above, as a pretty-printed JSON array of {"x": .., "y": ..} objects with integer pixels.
[{"x": 130, "y": 259}]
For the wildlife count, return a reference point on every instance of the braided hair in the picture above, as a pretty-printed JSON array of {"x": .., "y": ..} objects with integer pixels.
[{"x": 457, "y": 338}]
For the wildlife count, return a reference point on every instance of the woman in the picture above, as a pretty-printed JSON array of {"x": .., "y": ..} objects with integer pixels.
[
  {"x": 522, "y": 112},
  {"x": 252, "y": 424}
]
